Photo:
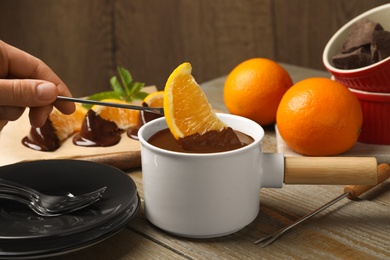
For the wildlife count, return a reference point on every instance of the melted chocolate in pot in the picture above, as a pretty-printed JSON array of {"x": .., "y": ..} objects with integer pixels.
[
  {"x": 96, "y": 131},
  {"x": 210, "y": 142},
  {"x": 42, "y": 138}
]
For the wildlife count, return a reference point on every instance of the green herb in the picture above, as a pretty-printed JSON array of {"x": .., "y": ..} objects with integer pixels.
[{"x": 125, "y": 89}]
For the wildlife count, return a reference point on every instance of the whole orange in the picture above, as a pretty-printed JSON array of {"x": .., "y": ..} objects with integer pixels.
[
  {"x": 319, "y": 117},
  {"x": 254, "y": 88}
]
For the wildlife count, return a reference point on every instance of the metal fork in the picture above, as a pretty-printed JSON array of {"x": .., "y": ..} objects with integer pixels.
[
  {"x": 46, "y": 212},
  {"x": 157, "y": 110},
  {"x": 51, "y": 203}
]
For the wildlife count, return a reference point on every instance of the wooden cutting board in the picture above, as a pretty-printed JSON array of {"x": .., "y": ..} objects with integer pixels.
[{"x": 125, "y": 155}]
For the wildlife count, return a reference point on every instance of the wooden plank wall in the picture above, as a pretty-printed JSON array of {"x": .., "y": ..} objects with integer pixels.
[{"x": 84, "y": 41}]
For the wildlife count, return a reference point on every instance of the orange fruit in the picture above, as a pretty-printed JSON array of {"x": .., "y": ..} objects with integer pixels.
[
  {"x": 254, "y": 88},
  {"x": 122, "y": 117},
  {"x": 66, "y": 125},
  {"x": 319, "y": 117},
  {"x": 155, "y": 99},
  {"x": 187, "y": 110}
]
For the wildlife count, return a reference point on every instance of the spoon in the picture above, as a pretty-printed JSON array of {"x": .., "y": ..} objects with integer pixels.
[{"x": 157, "y": 110}]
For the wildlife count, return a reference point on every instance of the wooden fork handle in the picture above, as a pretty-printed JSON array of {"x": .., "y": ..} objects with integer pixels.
[{"x": 357, "y": 190}]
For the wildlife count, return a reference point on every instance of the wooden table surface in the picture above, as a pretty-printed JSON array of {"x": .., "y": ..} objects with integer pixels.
[{"x": 357, "y": 229}]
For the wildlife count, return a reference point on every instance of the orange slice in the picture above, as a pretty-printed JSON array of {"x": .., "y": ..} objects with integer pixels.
[
  {"x": 66, "y": 125},
  {"x": 187, "y": 110},
  {"x": 122, "y": 117},
  {"x": 155, "y": 99}
]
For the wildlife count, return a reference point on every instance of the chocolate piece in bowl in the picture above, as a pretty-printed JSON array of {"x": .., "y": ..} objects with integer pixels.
[
  {"x": 380, "y": 45},
  {"x": 358, "y": 58},
  {"x": 360, "y": 34}
]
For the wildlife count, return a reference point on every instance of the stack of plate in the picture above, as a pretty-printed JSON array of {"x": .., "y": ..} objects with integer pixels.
[{"x": 48, "y": 236}]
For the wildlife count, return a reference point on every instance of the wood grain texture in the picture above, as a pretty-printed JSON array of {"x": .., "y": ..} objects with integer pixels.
[
  {"x": 330, "y": 170},
  {"x": 303, "y": 27},
  {"x": 84, "y": 41},
  {"x": 73, "y": 37},
  {"x": 350, "y": 229},
  {"x": 213, "y": 35}
]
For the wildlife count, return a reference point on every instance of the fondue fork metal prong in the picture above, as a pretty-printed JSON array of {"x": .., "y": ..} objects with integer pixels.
[
  {"x": 157, "y": 110},
  {"x": 350, "y": 191},
  {"x": 272, "y": 237}
]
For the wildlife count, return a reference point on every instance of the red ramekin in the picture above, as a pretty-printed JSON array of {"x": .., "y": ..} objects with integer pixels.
[
  {"x": 376, "y": 117},
  {"x": 373, "y": 78}
]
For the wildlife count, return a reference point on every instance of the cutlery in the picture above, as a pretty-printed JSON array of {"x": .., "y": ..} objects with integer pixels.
[
  {"x": 157, "y": 110},
  {"x": 47, "y": 205},
  {"x": 350, "y": 191},
  {"x": 47, "y": 211}
]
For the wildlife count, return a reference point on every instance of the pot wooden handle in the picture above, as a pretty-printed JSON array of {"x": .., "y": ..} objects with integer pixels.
[{"x": 331, "y": 170}]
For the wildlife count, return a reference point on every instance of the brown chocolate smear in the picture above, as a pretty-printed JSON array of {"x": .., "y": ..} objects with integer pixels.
[
  {"x": 42, "y": 138},
  {"x": 96, "y": 131},
  {"x": 210, "y": 142}
]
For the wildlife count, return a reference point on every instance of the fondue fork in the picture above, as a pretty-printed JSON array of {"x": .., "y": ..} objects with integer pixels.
[
  {"x": 350, "y": 191},
  {"x": 157, "y": 110}
]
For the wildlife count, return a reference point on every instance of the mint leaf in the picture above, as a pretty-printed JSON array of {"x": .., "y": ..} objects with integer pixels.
[
  {"x": 133, "y": 90},
  {"x": 125, "y": 89},
  {"x": 101, "y": 96},
  {"x": 140, "y": 95},
  {"x": 116, "y": 86},
  {"x": 126, "y": 78}
]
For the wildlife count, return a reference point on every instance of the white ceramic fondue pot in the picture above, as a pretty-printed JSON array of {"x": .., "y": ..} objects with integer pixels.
[{"x": 211, "y": 195}]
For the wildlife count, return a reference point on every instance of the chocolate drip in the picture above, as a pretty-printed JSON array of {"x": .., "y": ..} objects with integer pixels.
[
  {"x": 143, "y": 118},
  {"x": 210, "y": 142},
  {"x": 96, "y": 131},
  {"x": 42, "y": 138}
]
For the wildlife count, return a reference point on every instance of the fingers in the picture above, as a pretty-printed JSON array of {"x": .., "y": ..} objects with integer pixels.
[
  {"x": 3, "y": 123},
  {"x": 16, "y": 95},
  {"x": 27, "y": 93},
  {"x": 10, "y": 113},
  {"x": 38, "y": 115},
  {"x": 15, "y": 63}
]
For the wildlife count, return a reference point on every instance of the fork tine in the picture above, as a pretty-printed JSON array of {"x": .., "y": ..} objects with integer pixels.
[
  {"x": 62, "y": 206},
  {"x": 89, "y": 194},
  {"x": 46, "y": 205},
  {"x": 80, "y": 206}
]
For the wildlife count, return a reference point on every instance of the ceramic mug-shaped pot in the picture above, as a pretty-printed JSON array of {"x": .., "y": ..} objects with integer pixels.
[
  {"x": 202, "y": 195},
  {"x": 215, "y": 194}
]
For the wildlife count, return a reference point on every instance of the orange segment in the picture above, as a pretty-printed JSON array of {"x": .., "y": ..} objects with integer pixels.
[
  {"x": 155, "y": 99},
  {"x": 187, "y": 110},
  {"x": 66, "y": 125},
  {"x": 123, "y": 118}
]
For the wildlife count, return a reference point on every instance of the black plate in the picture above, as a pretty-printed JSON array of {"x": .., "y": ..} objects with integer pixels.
[{"x": 43, "y": 236}]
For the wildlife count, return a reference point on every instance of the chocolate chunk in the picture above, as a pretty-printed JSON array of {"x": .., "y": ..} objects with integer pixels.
[
  {"x": 358, "y": 58},
  {"x": 380, "y": 45},
  {"x": 360, "y": 34}
]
